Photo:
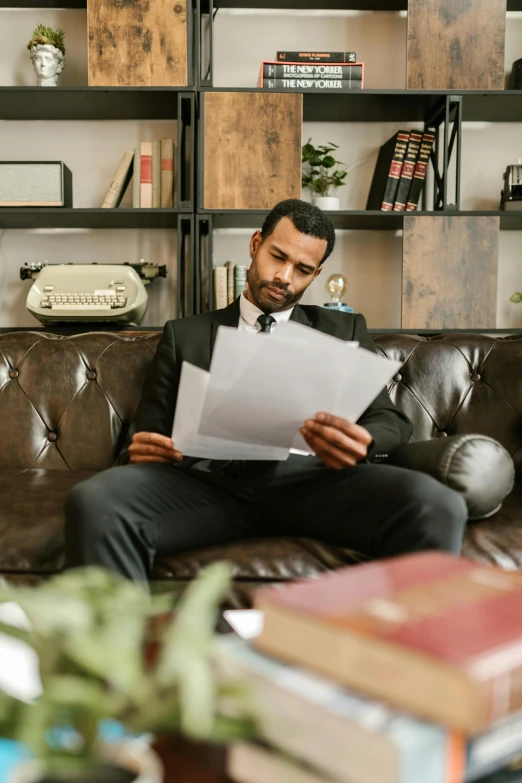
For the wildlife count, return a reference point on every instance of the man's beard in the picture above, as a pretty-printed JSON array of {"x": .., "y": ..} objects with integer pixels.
[{"x": 263, "y": 300}]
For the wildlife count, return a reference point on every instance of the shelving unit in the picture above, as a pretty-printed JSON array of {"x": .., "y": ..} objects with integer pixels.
[{"x": 194, "y": 222}]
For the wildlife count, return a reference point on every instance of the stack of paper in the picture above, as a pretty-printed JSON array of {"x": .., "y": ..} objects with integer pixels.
[{"x": 261, "y": 388}]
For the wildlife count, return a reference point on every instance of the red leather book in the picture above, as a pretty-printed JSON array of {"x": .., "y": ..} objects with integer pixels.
[
  {"x": 146, "y": 174},
  {"x": 436, "y": 635},
  {"x": 408, "y": 169}
]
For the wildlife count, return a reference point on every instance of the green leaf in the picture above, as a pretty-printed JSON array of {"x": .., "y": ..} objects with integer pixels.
[
  {"x": 516, "y": 298},
  {"x": 328, "y": 162}
]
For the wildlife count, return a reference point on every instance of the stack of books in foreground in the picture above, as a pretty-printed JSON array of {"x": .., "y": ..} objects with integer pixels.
[
  {"x": 229, "y": 283},
  {"x": 312, "y": 72},
  {"x": 400, "y": 171},
  {"x": 402, "y": 671},
  {"x": 151, "y": 167}
]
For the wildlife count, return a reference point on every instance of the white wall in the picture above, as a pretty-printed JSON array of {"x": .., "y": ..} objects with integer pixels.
[{"x": 371, "y": 260}]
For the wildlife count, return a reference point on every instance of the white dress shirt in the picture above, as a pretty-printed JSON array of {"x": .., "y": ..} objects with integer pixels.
[{"x": 249, "y": 313}]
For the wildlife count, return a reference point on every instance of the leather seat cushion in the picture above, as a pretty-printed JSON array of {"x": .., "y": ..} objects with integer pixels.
[{"x": 31, "y": 537}]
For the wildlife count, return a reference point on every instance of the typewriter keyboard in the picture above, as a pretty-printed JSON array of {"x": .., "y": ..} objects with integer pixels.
[{"x": 83, "y": 302}]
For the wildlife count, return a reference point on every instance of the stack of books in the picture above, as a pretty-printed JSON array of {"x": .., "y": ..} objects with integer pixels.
[
  {"x": 151, "y": 167},
  {"x": 400, "y": 171},
  {"x": 229, "y": 283},
  {"x": 407, "y": 670},
  {"x": 312, "y": 72}
]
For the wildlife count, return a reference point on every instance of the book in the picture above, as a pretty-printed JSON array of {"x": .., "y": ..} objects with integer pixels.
[
  {"x": 312, "y": 85},
  {"x": 421, "y": 167},
  {"x": 146, "y": 174},
  {"x": 321, "y": 57},
  {"x": 311, "y": 71},
  {"x": 240, "y": 280},
  {"x": 156, "y": 174},
  {"x": 167, "y": 173},
  {"x": 230, "y": 266},
  {"x": 136, "y": 178},
  {"x": 336, "y": 731},
  {"x": 220, "y": 287},
  {"x": 387, "y": 174},
  {"x": 429, "y": 633},
  {"x": 408, "y": 168},
  {"x": 119, "y": 182},
  {"x": 249, "y": 763}
]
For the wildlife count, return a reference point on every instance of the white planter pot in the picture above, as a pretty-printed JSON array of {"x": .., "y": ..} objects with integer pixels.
[
  {"x": 132, "y": 754},
  {"x": 326, "y": 202}
]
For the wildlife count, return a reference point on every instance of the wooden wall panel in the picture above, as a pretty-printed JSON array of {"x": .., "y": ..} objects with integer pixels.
[
  {"x": 141, "y": 43},
  {"x": 252, "y": 146},
  {"x": 450, "y": 269},
  {"x": 456, "y": 44}
]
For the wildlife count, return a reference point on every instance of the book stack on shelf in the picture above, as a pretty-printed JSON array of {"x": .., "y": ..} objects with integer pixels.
[
  {"x": 312, "y": 72},
  {"x": 151, "y": 167},
  {"x": 400, "y": 172},
  {"x": 229, "y": 283},
  {"x": 431, "y": 635}
]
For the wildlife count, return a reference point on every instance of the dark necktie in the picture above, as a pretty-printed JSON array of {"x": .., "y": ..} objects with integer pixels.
[{"x": 265, "y": 322}]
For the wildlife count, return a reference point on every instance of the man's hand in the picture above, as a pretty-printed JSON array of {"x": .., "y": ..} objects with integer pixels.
[
  {"x": 152, "y": 447},
  {"x": 336, "y": 441}
]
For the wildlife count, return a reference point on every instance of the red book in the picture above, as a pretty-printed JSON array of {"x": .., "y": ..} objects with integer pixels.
[
  {"x": 421, "y": 168},
  {"x": 438, "y": 636},
  {"x": 408, "y": 169},
  {"x": 146, "y": 174}
]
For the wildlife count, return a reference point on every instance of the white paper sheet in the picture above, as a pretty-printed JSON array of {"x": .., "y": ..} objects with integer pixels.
[
  {"x": 191, "y": 396},
  {"x": 261, "y": 389}
]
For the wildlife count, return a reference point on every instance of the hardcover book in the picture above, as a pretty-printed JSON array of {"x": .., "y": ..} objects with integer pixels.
[
  {"x": 321, "y": 57},
  {"x": 311, "y": 75},
  {"x": 346, "y": 736},
  {"x": 146, "y": 174},
  {"x": 167, "y": 173},
  {"x": 435, "y": 635},
  {"x": 388, "y": 170},
  {"x": 120, "y": 181},
  {"x": 408, "y": 169},
  {"x": 421, "y": 168}
]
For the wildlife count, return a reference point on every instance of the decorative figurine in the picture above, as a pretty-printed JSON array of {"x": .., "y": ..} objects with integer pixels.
[
  {"x": 336, "y": 286},
  {"x": 47, "y": 52}
]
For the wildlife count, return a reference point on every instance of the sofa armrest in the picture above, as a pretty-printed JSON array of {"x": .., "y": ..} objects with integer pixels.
[{"x": 477, "y": 466}]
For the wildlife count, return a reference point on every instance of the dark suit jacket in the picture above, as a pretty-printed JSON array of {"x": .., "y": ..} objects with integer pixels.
[{"x": 192, "y": 340}]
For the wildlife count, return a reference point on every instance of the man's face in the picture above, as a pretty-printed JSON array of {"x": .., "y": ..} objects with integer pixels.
[{"x": 283, "y": 266}]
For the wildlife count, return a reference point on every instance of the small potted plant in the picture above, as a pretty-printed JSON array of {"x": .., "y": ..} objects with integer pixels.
[
  {"x": 47, "y": 52},
  {"x": 108, "y": 650},
  {"x": 321, "y": 176}
]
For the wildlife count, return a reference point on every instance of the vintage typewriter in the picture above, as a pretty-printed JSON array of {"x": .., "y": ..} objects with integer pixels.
[{"x": 89, "y": 292}]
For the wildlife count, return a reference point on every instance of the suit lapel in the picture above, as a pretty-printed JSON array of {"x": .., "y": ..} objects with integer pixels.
[
  {"x": 228, "y": 316},
  {"x": 300, "y": 317}
]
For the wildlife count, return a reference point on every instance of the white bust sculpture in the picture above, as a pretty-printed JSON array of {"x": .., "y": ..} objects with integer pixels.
[{"x": 48, "y": 62}]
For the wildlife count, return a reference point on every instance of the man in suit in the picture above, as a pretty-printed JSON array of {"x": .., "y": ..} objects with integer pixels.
[{"x": 160, "y": 503}]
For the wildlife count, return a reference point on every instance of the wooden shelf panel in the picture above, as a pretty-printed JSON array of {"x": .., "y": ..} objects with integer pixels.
[
  {"x": 90, "y": 103},
  {"x": 361, "y": 220},
  {"x": 45, "y": 217}
]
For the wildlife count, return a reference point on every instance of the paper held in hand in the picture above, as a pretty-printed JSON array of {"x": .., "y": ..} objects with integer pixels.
[{"x": 260, "y": 390}]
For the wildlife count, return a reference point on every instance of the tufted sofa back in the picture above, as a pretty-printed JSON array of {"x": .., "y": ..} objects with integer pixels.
[{"x": 66, "y": 402}]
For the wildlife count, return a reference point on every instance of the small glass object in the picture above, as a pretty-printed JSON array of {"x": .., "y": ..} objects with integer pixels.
[{"x": 336, "y": 286}]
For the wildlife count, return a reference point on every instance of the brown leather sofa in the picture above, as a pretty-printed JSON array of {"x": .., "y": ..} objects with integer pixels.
[{"x": 65, "y": 403}]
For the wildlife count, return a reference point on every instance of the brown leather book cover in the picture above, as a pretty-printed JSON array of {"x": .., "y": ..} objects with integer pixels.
[{"x": 431, "y": 633}]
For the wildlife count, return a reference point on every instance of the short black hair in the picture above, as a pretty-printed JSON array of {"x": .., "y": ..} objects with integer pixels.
[{"x": 307, "y": 219}]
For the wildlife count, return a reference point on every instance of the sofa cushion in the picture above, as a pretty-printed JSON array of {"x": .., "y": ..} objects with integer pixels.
[{"x": 31, "y": 518}]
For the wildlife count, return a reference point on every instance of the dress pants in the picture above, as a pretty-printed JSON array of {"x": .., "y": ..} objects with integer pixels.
[{"x": 123, "y": 517}]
